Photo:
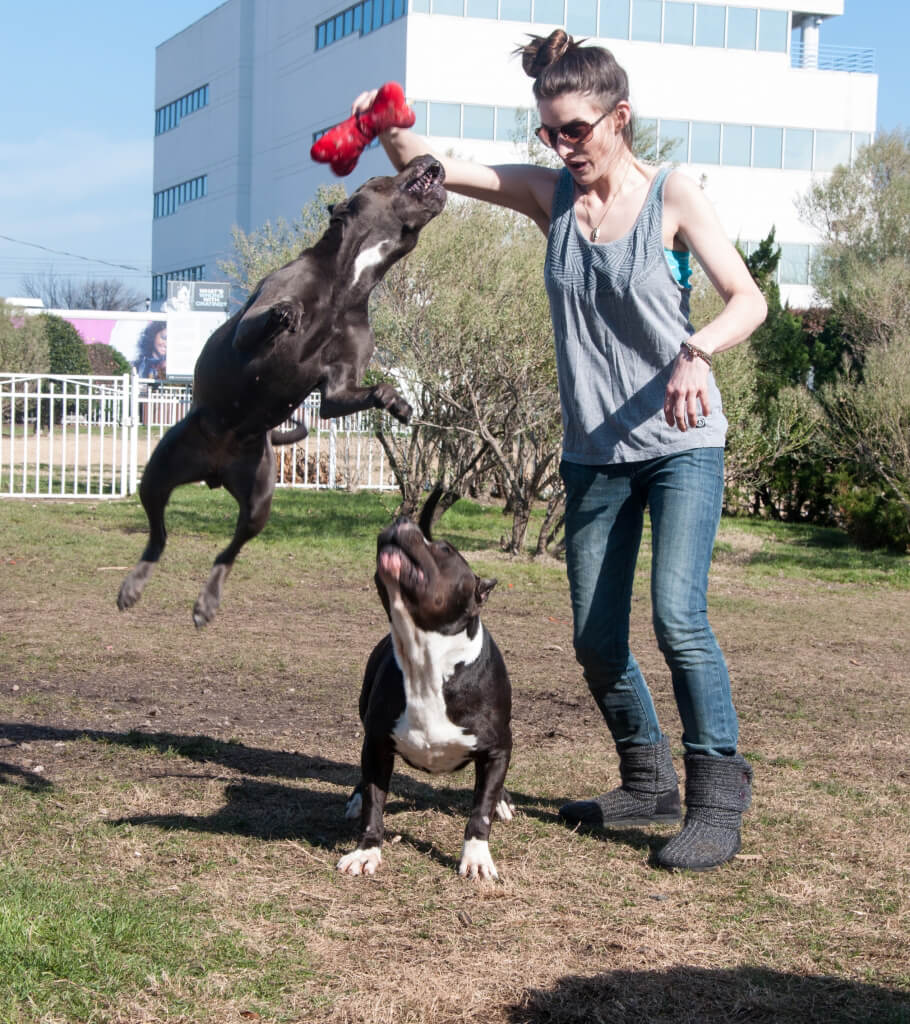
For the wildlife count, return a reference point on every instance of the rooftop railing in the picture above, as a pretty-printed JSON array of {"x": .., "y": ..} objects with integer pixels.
[{"x": 833, "y": 58}]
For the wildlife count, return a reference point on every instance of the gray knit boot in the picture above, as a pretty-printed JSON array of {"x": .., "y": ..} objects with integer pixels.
[
  {"x": 718, "y": 790},
  {"x": 649, "y": 793}
]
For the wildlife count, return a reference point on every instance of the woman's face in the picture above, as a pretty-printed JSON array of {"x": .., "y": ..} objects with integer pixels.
[
  {"x": 159, "y": 345},
  {"x": 590, "y": 160}
]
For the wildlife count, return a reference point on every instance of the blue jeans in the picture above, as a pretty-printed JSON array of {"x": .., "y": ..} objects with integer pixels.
[{"x": 605, "y": 508}]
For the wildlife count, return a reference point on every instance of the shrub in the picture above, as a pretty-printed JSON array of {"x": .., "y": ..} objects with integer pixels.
[
  {"x": 67, "y": 349},
  {"x": 105, "y": 360}
]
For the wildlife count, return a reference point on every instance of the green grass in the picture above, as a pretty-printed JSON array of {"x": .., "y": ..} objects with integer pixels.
[
  {"x": 799, "y": 551},
  {"x": 81, "y": 949},
  {"x": 161, "y": 862}
]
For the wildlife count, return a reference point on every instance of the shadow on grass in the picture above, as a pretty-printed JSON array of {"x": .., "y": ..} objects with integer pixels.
[
  {"x": 11, "y": 774},
  {"x": 692, "y": 995},
  {"x": 261, "y": 809}
]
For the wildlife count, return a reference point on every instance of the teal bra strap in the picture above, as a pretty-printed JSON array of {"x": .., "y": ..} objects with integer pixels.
[{"x": 678, "y": 263}]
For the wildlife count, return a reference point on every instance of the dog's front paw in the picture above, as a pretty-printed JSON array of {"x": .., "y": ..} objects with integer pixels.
[
  {"x": 401, "y": 410},
  {"x": 476, "y": 861},
  {"x": 360, "y": 862}
]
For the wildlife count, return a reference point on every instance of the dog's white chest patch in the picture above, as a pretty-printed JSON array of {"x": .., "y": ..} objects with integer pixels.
[
  {"x": 424, "y": 734},
  {"x": 368, "y": 258}
]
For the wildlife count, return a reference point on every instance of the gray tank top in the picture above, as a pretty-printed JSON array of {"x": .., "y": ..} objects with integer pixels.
[{"x": 619, "y": 317}]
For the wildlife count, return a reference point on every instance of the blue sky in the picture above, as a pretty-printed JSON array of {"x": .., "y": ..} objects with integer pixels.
[{"x": 77, "y": 81}]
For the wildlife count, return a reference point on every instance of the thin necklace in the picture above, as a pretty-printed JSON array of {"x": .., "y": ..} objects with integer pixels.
[{"x": 595, "y": 233}]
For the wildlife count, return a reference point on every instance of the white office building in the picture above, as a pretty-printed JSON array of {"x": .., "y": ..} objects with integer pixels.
[{"x": 755, "y": 102}]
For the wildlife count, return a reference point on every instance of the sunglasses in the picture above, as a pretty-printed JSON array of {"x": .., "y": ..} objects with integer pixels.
[{"x": 575, "y": 132}]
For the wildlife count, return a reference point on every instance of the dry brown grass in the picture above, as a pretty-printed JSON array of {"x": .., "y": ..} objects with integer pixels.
[{"x": 141, "y": 756}]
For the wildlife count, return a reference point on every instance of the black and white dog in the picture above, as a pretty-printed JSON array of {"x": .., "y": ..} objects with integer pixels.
[
  {"x": 435, "y": 691},
  {"x": 305, "y": 328}
]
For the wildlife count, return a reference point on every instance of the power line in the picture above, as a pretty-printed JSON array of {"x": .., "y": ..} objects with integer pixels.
[{"x": 74, "y": 255}]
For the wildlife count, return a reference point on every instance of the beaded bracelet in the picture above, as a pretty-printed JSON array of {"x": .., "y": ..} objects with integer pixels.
[{"x": 694, "y": 351}]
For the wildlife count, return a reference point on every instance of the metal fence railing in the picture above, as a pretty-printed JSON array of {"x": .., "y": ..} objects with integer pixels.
[
  {"x": 832, "y": 58},
  {"x": 89, "y": 437}
]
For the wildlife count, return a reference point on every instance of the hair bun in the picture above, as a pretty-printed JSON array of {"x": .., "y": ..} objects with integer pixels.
[{"x": 541, "y": 52}]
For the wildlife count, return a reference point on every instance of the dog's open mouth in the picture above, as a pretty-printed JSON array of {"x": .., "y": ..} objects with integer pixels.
[
  {"x": 427, "y": 180},
  {"x": 394, "y": 564}
]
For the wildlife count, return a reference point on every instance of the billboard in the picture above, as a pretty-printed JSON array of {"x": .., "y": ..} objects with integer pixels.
[
  {"x": 193, "y": 309},
  {"x": 141, "y": 338}
]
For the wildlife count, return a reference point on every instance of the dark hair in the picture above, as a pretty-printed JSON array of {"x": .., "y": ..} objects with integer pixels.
[
  {"x": 146, "y": 344},
  {"x": 560, "y": 64}
]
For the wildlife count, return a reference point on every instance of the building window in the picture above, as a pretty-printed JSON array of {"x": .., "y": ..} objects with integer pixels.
[
  {"x": 798, "y": 149},
  {"x": 831, "y": 149},
  {"x": 773, "y": 29},
  {"x": 737, "y": 146},
  {"x": 159, "y": 281},
  {"x": 646, "y": 19},
  {"x": 860, "y": 139},
  {"x": 676, "y": 133},
  {"x": 478, "y": 121},
  {"x": 515, "y": 10},
  {"x": 362, "y": 18},
  {"x": 169, "y": 200},
  {"x": 709, "y": 25},
  {"x": 420, "y": 112},
  {"x": 705, "y": 143},
  {"x": 679, "y": 21},
  {"x": 445, "y": 119},
  {"x": 453, "y": 7},
  {"x": 512, "y": 124},
  {"x": 794, "y": 263},
  {"x": 742, "y": 26},
  {"x": 581, "y": 17},
  {"x": 614, "y": 19},
  {"x": 482, "y": 9},
  {"x": 169, "y": 116},
  {"x": 551, "y": 12},
  {"x": 769, "y": 147}
]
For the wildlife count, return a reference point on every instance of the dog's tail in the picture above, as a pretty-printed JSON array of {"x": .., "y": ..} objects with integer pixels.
[
  {"x": 429, "y": 509},
  {"x": 297, "y": 433}
]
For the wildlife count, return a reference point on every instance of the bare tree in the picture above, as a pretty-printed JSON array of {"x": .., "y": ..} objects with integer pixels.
[
  {"x": 58, "y": 292},
  {"x": 464, "y": 324}
]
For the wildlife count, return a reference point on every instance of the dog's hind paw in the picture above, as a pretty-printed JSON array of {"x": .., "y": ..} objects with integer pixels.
[
  {"x": 131, "y": 588},
  {"x": 360, "y": 862}
]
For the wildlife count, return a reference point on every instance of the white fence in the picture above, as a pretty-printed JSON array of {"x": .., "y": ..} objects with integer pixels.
[{"x": 89, "y": 437}]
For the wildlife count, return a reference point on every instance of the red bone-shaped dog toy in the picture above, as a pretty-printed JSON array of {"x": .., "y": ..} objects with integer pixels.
[{"x": 342, "y": 145}]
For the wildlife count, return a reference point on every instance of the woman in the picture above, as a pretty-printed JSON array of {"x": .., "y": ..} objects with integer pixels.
[{"x": 643, "y": 427}]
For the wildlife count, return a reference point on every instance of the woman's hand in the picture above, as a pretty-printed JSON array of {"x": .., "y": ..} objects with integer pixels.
[{"x": 687, "y": 387}]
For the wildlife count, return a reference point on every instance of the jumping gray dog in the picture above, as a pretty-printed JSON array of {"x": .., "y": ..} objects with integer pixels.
[{"x": 304, "y": 329}]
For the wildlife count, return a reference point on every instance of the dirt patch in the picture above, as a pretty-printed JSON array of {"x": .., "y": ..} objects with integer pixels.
[{"x": 220, "y": 760}]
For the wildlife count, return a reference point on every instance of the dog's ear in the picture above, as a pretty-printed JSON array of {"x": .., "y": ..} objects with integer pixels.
[
  {"x": 482, "y": 588},
  {"x": 331, "y": 208}
]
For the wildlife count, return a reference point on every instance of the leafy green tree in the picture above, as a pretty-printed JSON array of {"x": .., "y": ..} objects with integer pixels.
[
  {"x": 464, "y": 324},
  {"x": 762, "y": 383},
  {"x": 23, "y": 342},
  {"x": 273, "y": 245},
  {"x": 106, "y": 361},
  {"x": 863, "y": 213},
  {"x": 67, "y": 349}
]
